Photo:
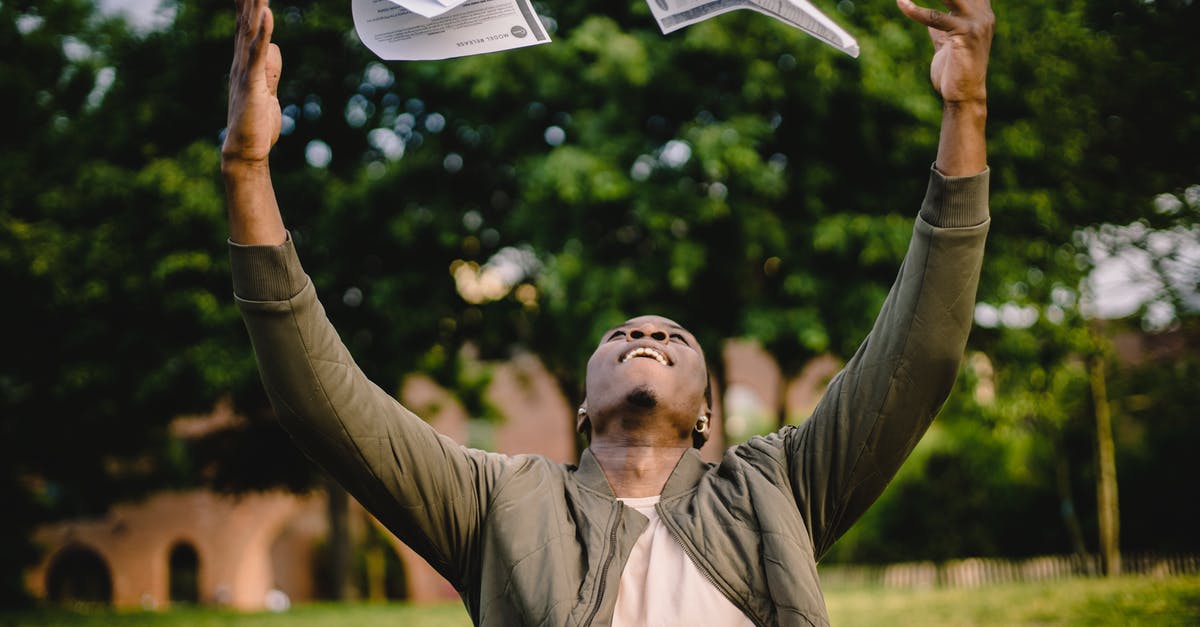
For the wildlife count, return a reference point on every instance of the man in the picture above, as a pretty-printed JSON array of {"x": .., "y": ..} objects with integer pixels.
[{"x": 642, "y": 531}]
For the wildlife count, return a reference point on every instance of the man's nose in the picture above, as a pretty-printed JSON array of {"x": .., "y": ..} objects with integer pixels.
[{"x": 648, "y": 330}]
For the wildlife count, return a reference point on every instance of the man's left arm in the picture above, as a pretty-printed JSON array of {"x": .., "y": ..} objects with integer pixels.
[{"x": 874, "y": 412}]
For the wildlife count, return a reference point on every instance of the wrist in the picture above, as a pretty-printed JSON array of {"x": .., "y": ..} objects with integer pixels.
[
  {"x": 962, "y": 146},
  {"x": 235, "y": 169},
  {"x": 974, "y": 107}
]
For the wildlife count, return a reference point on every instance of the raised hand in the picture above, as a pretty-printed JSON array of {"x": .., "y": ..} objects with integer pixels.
[
  {"x": 254, "y": 116},
  {"x": 253, "y": 127},
  {"x": 962, "y": 41}
]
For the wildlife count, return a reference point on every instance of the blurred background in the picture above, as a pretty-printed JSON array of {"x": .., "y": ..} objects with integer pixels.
[{"x": 472, "y": 226}]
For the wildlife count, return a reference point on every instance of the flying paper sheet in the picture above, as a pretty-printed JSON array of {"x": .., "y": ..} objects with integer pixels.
[
  {"x": 396, "y": 33},
  {"x": 428, "y": 8},
  {"x": 673, "y": 15}
]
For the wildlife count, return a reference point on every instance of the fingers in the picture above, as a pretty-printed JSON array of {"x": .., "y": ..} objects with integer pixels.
[
  {"x": 968, "y": 7},
  {"x": 934, "y": 19},
  {"x": 267, "y": 24},
  {"x": 247, "y": 29},
  {"x": 245, "y": 18},
  {"x": 252, "y": 21},
  {"x": 260, "y": 43}
]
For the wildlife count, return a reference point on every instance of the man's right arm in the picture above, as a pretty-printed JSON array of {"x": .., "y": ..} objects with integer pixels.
[
  {"x": 428, "y": 490},
  {"x": 431, "y": 492}
]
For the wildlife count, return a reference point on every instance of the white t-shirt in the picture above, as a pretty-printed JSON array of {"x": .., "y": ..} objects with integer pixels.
[{"x": 661, "y": 587}]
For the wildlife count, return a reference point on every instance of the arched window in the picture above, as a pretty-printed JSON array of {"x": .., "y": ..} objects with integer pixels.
[
  {"x": 79, "y": 575},
  {"x": 183, "y": 567}
]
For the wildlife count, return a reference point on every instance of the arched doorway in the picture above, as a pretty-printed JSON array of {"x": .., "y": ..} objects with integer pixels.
[
  {"x": 183, "y": 568},
  {"x": 79, "y": 575}
]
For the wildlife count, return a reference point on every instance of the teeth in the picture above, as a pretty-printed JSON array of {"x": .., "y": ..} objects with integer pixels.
[{"x": 646, "y": 351}]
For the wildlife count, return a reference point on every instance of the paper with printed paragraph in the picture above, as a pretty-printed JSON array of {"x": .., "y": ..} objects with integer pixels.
[
  {"x": 673, "y": 15},
  {"x": 428, "y": 8},
  {"x": 397, "y": 33}
]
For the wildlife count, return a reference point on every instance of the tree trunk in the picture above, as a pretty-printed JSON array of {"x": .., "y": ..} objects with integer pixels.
[
  {"x": 376, "y": 562},
  {"x": 339, "y": 542},
  {"x": 1070, "y": 517},
  {"x": 1106, "y": 472}
]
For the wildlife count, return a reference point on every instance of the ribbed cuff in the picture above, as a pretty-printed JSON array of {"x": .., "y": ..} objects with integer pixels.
[
  {"x": 956, "y": 201},
  {"x": 266, "y": 273}
]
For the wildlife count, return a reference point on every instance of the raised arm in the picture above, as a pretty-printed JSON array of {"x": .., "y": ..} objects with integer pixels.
[
  {"x": 252, "y": 127},
  {"x": 428, "y": 490},
  {"x": 872, "y": 415}
]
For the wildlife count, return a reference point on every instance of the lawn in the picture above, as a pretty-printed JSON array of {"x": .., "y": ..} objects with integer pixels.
[{"x": 1122, "y": 601}]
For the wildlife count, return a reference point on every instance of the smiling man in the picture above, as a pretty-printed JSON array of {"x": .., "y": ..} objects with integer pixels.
[{"x": 642, "y": 531}]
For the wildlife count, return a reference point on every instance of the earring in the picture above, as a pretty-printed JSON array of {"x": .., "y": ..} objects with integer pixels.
[
  {"x": 702, "y": 424},
  {"x": 583, "y": 424}
]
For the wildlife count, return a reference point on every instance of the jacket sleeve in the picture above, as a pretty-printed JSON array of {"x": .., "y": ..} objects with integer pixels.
[
  {"x": 840, "y": 459},
  {"x": 428, "y": 490}
]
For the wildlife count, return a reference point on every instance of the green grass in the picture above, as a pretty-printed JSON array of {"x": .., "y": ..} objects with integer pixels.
[
  {"x": 1122, "y": 601},
  {"x": 315, "y": 615}
]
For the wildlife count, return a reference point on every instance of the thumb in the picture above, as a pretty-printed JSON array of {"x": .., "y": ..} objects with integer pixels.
[
  {"x": 274, "y": 68},
  {"x": 936, "y": 35}
]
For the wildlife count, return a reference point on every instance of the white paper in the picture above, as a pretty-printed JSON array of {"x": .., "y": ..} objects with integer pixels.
[
  {"x": 673, "y": 15},
  {"x": 428, "y": 8},
  {"x": 473, "y": 27}
]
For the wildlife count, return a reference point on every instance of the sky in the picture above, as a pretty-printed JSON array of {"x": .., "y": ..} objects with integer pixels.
[
  {"x": 142, "y": 14},
  {"x": 1135, "y": 265}
]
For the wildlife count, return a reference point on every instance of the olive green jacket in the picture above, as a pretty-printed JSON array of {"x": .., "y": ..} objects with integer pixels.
[{"x": 529, "y": 542}]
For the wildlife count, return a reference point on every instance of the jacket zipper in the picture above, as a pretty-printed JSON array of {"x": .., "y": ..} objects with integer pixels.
[
  {"x": 691, "y": 554},
  {"x": 612, "y": 552}
]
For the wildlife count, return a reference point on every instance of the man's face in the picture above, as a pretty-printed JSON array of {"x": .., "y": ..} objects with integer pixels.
[{"x": 648, "y": 363}]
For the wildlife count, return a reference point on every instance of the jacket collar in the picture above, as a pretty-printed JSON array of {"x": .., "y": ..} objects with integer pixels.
[{"x": 686, "y": 475}]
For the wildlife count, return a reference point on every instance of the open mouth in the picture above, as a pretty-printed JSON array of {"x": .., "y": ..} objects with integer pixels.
[{"x": 648, "y": 352}]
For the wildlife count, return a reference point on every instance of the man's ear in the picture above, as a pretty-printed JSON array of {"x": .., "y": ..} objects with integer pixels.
[
  {"x": 583, "y": 424},
  {"x": 699, "y": 437}
]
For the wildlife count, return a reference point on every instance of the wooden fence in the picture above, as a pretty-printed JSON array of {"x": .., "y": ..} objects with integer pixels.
[{"x": 974, "y": 572}]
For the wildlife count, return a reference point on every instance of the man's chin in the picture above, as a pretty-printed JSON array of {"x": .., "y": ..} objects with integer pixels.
[{"x": 642, "y": 397}]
